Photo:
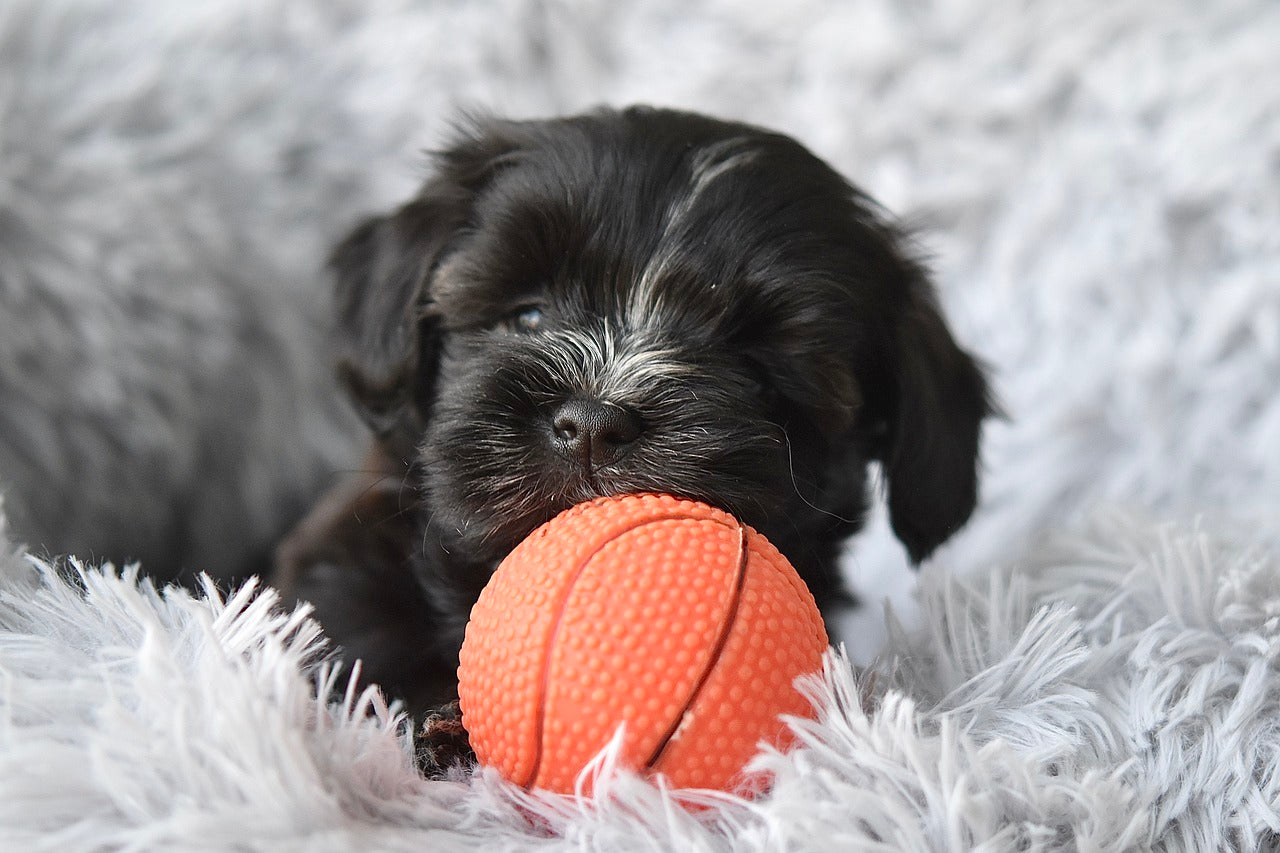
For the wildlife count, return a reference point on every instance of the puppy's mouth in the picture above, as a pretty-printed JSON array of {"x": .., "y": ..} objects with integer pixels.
[
  {"x": 504, "y": 453},
  {"x": 596, "y": 444}
]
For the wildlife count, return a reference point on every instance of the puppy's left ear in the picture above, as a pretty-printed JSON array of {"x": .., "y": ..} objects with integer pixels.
[{"x": 939, "y": 400}]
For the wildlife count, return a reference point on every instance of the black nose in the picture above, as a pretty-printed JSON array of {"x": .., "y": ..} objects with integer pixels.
[{"x": 593, "y": 433}]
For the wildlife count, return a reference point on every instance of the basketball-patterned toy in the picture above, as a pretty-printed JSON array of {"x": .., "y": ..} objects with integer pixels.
[{"x": 663, "y": 615}]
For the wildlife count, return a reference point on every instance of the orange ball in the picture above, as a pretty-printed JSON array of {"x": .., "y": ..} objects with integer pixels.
[{"x": 663, "y": 614}]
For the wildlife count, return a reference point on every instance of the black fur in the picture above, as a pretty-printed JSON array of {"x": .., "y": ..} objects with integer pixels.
[{"x": 753, "y": 321}]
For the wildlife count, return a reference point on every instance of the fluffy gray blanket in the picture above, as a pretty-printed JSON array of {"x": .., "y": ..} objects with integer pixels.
[
  {"x": 1117, "y": 690},
  {"x": 1099, "y": 186}
]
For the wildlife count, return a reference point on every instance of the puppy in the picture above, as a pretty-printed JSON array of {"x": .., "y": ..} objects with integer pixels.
[{"x": 623, "y": 301}]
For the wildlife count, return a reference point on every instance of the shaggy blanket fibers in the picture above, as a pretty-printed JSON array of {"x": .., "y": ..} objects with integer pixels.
[
  {"x": 1098, "y": 183},
  {"x": 1117, "y": 690}
]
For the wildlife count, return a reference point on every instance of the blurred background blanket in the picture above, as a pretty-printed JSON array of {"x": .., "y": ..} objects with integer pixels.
[{"x": 1097, "y": 185}]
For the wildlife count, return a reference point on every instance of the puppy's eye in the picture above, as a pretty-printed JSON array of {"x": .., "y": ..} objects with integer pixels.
[{"x": 528, "y": 319}]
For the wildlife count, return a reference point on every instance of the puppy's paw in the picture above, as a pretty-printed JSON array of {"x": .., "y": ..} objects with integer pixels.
[{"x": 441, "y": 742}]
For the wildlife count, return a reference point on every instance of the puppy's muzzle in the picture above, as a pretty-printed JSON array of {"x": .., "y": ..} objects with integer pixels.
[{"x": 592, "y": 433}]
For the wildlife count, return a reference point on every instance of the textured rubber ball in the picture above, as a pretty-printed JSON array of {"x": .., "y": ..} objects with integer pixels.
[{"x": 664, "y": 615}]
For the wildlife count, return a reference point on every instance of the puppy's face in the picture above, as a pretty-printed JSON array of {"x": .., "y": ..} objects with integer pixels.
[{"x": 654, "y": 301}]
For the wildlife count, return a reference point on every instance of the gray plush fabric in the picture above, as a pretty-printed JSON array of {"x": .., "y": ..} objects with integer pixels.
[
  {"x": 1117, "y": 689},
  {"x": 164, "y": 390}
]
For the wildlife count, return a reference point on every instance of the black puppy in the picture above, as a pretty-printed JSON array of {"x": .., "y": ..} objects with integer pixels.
[{"x": 629, "y": 301}]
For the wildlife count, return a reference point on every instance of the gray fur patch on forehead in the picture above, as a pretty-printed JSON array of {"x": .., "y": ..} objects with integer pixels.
[
  {"x": 708, "y": 165},
  {"x": 612, "y": 366},
  {"x": 718, "y": 159}
]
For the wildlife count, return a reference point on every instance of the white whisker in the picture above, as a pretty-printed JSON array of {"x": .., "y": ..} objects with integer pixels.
[{"x": 791, "y": 468}]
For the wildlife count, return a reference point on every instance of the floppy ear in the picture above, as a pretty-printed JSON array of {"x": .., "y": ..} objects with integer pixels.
[
  {"x": 387, "y": 340},
  {"x": 385, "y": 345},
  {"x": 930, "y": 454}
]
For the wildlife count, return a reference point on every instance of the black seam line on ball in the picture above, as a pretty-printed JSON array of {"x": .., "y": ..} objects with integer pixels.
[
  {"x": 721, "y": 641},
  {"x": 540, "y": 719}
]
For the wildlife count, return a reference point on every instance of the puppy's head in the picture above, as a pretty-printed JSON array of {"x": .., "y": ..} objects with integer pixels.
[{"x": 656, "y": 301}]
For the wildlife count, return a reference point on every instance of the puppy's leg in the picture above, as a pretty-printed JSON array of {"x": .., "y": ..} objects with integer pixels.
[{"x": 351, "y": 558}]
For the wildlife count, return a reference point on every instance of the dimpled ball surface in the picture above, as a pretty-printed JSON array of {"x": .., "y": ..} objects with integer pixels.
[{"x": 664, "y": 614}]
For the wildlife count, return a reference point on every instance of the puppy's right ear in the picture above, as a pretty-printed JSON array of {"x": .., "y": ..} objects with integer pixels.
[
  {"x": 387, "y": 341},
  {"x": 386, "y": 346}
]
